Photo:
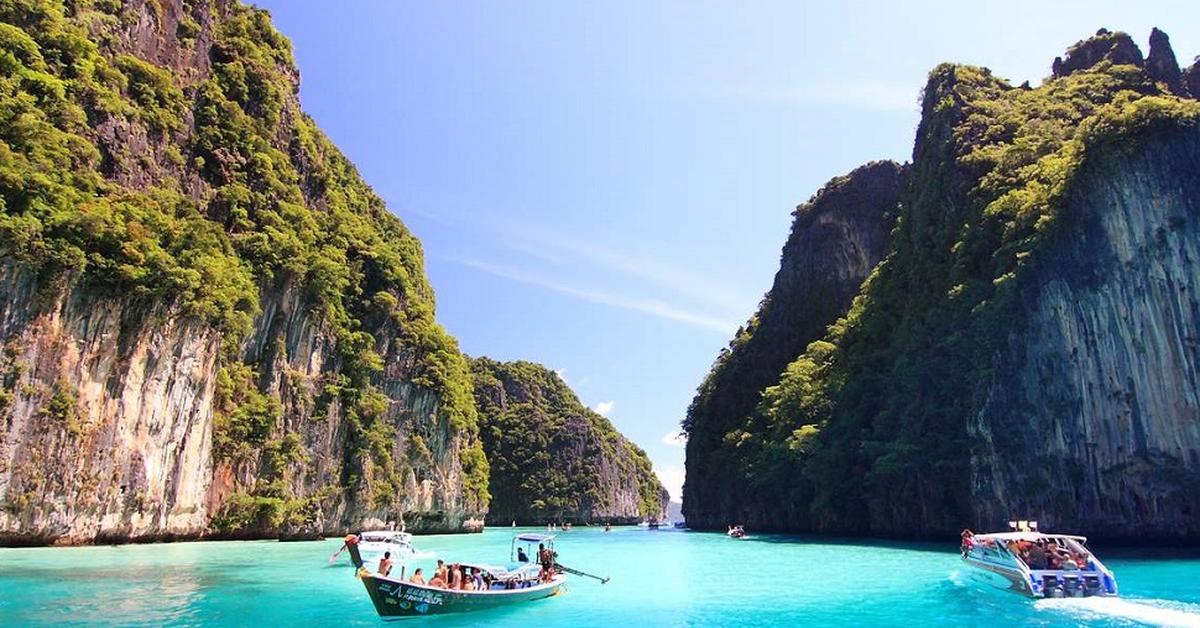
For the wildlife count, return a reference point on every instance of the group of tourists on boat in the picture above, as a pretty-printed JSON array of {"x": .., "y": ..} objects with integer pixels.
[
  {"x": 737, "y": 531},
  {"x": 1042, "y": 553},
  {"x": 462, "y": 577}
]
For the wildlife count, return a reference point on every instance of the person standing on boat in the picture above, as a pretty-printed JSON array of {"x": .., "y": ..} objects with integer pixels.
[
  {"x": 546, "y": 558},
  {"x": 456, "y": 578},
  {"x": 385, "y": 564}
]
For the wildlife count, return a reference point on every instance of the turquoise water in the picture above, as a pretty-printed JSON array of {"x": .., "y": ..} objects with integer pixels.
[{"x": 667, "y": 578}]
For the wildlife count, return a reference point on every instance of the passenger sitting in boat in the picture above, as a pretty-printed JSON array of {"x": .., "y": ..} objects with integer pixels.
[
  {"x": 385, "y": 564},
  {"x": 480, "y": 585},
  {"x": 438, "y": 580},
  {"x": 1036, "y": 557},
  {"x": 468, "y": 580},
  {"x": 521, "y": 556},
  {"x": 442, "y": 576},
  {"x": 418, "y": 576}
]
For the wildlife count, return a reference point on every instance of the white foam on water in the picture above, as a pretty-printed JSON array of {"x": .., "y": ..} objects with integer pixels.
[
  {"x": 958, "y": 578},
  {"x": 1154, "y": 612}
]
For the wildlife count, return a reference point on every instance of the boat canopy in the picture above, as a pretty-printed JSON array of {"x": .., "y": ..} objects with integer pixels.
[
  {"x": 512, "y": 572},
  {"x": 1027, "y": 536},
  {"x": 532, "y": 537},
  {"x": 381, "y": 535}
]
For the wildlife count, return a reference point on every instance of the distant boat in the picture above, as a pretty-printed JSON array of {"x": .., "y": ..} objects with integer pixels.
[
  {"x": 373, "y": 544},
  {"x": 518, "y": 582},
  {"x": 1073, "y": 570},
  {"x": 737, "y": 532},
  {"x": 680, "y": 525}
]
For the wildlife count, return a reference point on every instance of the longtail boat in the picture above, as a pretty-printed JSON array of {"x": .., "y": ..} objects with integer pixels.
[{"x": 518, "y": 582}]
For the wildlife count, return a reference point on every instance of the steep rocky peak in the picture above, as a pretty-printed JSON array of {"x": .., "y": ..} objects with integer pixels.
[
  {"x": 1161, "y": 64},
  {"x": 1191, "y": 78},
  {"x": 1115, "y": 47},
  {"x": 851, "y": 190}
]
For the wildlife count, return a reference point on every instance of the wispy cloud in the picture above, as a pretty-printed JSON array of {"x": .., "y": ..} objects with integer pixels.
[
  {"x": 652, "y": 307},
  {"x": 675, "y": 438},
  {"x": 872, "y": 94},
  {"x": 694, "y": 285},
  {"x": 564, "y": 249},
  {"x": 671, "y": 477},
  {"x": 604, "y": 407}
]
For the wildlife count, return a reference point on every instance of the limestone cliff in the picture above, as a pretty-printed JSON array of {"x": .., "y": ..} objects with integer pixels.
[
  {"x": 211, "y": 325},
  {"x": 837, "y": 237},
  {"x": 1027, "y": 348},
  {"x": 554, "y": 460},
  {"x": 1091, "y": 420}
]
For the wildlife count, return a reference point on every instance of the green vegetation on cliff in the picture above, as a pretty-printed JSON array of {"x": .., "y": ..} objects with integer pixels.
[
  {"x": 552, "y": 459},
  {"x": 236, "y": 191},
  {"x": 869, "y": 426}
]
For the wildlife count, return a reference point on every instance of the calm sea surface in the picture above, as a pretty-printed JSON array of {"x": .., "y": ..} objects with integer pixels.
[{"x": 664, "y": 578}]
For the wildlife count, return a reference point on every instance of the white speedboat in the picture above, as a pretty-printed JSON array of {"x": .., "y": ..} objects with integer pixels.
[
  {"x": 373, "y": 544},
  {"x": 1039, "y": 564}
]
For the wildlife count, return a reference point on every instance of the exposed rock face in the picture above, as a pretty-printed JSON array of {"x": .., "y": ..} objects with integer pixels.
[
  {"x": 1116, "y": 48},
  {"x": 130, "y": 456},
  {"x": 1029, "y": 346},
  {"x": 1091, "y": 422},
  {"x": 1191, "y": 79},
  {"x": 1161, "y": 64},
  {"x": 554, "y": 460},
  {"x": 314, "y": 397},
  {"x": 837, "y": 237}
]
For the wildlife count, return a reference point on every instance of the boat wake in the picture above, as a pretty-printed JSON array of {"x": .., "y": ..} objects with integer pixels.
[{"x": 1155, "y": 612}]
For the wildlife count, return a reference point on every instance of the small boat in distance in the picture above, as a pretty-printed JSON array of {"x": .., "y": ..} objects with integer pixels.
[
  {"x": 1038, "y": 564},
  {"x": 736, "y": 532}
]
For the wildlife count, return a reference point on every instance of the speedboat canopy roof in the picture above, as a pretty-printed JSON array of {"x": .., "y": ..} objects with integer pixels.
[
  {"x": 535, "y": 538},
  {"x": 1027, "y": 536},
  {"x": 385, "y": 534}
]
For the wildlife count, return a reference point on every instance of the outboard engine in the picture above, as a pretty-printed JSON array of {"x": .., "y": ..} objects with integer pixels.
[
  {"x": 1072, "y": 586},
  {"x": 1051, "y": 587}
]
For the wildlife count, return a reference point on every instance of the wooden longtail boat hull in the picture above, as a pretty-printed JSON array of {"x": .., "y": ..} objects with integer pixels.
[{"x": 393, "y": 598}]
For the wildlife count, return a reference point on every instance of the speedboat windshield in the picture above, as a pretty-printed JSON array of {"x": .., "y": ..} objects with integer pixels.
[{"x": 397, "y": 538}]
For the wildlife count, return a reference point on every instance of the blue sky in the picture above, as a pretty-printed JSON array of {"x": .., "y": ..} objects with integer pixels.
[{"x": 605, "y": 187}]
